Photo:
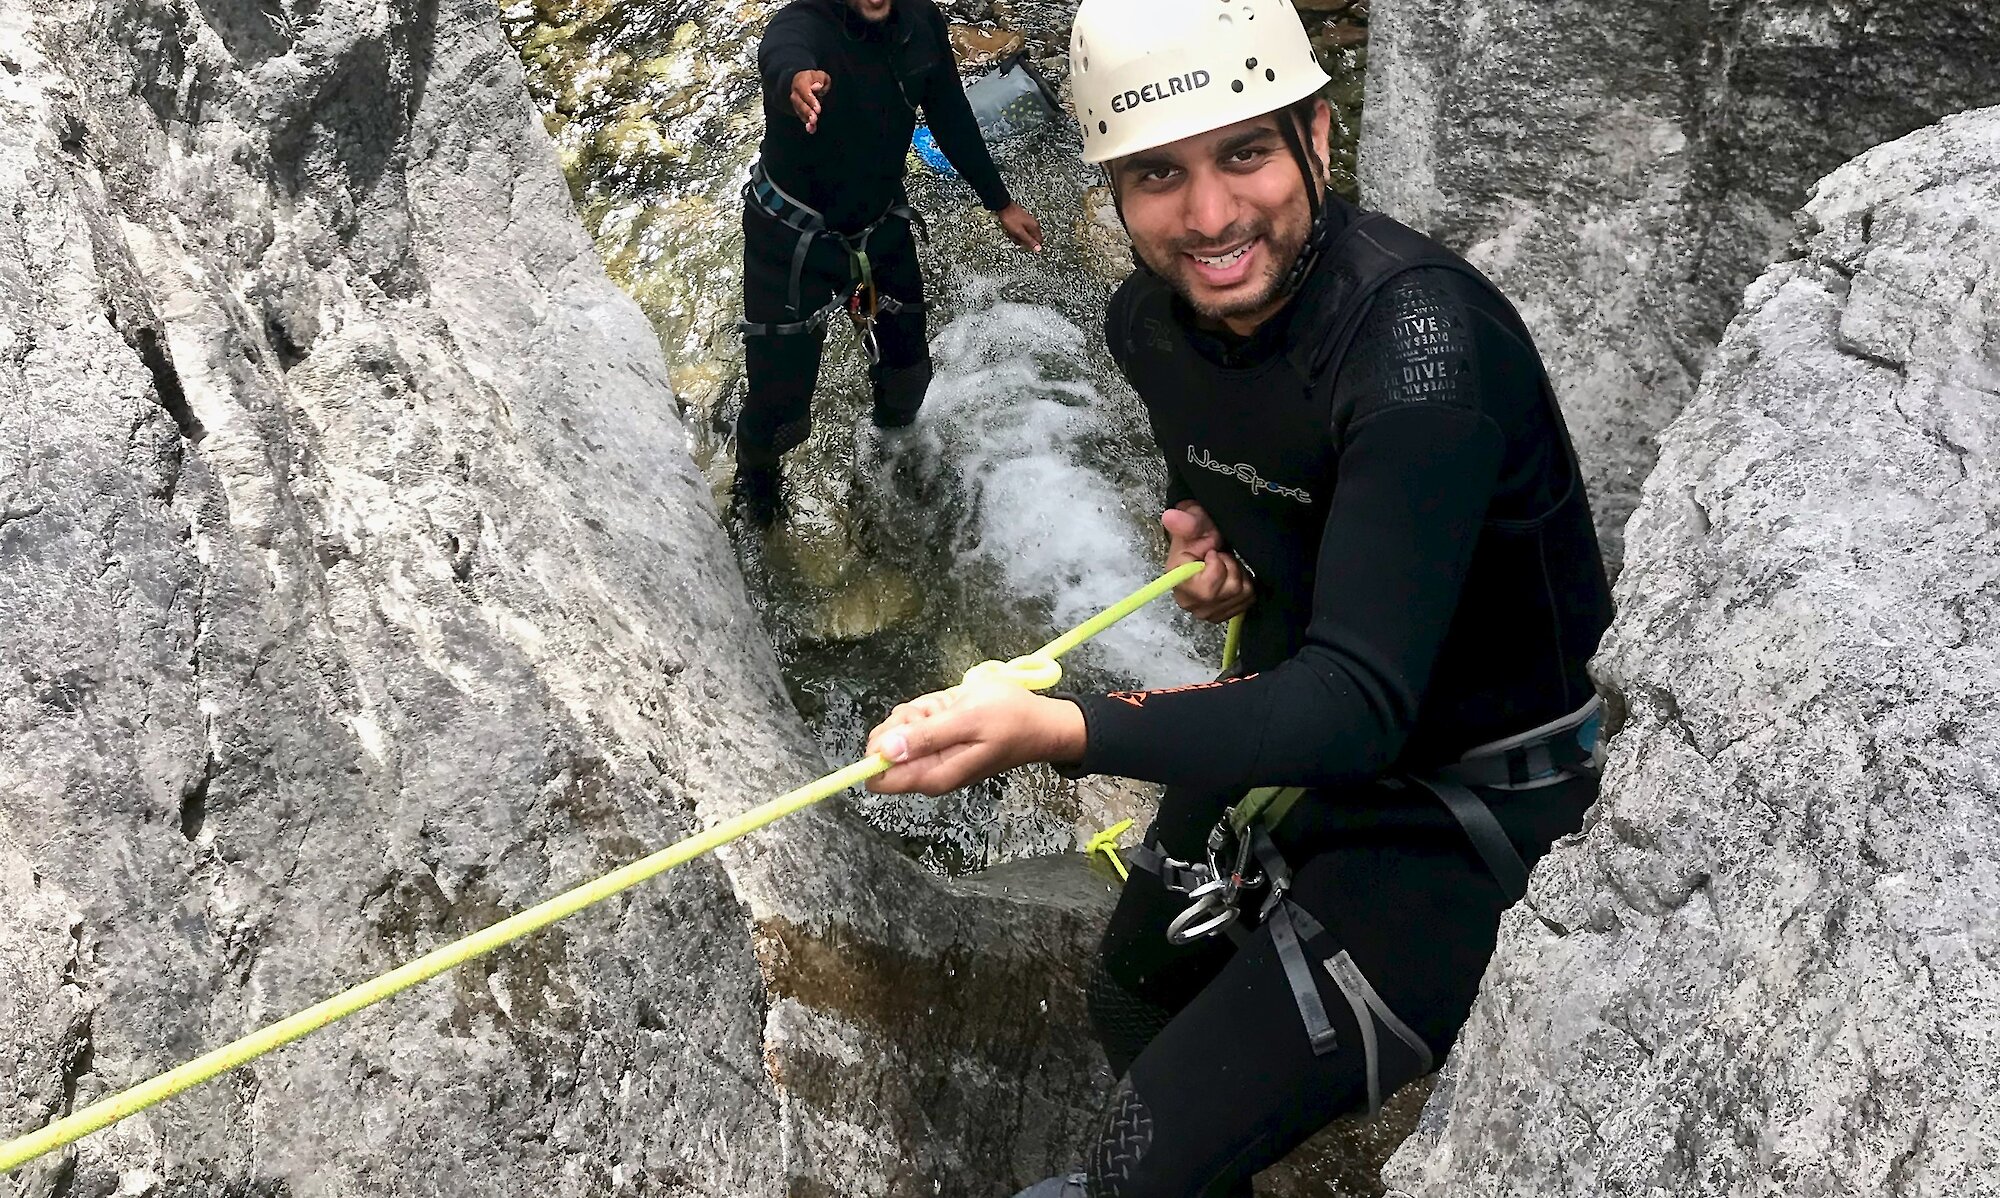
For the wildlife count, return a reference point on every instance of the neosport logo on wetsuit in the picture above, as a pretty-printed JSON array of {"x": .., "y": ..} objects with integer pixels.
[
  {"x": 1176, "y": 85},
  {"x": 1246, "y": 474}
]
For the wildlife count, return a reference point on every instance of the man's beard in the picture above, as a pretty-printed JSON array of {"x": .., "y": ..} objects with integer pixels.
[{"x": 1282, "y": 248}]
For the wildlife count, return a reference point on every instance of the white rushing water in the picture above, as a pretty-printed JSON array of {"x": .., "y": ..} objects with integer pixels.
[{"x": 1016, "y": 417}]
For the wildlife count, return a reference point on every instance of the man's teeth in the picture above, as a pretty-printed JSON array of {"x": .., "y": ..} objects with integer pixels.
[{"x": 1228, "y": 259}]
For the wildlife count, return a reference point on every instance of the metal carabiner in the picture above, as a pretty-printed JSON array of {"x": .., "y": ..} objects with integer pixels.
[
  {"x": 1210, "y": 912},
  {"x": 864, "y": 326},
  {"x": 1238, "y": 875}
]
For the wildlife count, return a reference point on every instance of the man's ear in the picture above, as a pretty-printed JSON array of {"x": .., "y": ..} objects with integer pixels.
[{"x": 1321, "y": 135}]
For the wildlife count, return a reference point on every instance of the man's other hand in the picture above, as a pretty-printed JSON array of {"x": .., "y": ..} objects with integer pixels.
[
  {"x": 952, "y": 738},
  {"x": 1221, "y": 591},
  {"x": 807, "y": 88},
  {"x": 1021, "y": 227}
]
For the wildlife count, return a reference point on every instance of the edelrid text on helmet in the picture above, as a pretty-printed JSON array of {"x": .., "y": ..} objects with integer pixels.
[
  {"x": 1144, "y": 73},
  {"x": 1129, "y": 99}
]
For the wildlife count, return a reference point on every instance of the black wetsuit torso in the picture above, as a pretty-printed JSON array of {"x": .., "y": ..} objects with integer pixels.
[
  {"x": 1427, "y": 576},
  {"x": 1393, "y": 466},
  {"x": 851, "y": 168}
]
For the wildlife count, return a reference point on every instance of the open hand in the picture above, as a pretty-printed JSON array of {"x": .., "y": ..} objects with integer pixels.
[
  {"x": 807, "y": 88},
  {"x": 952, "y": 738},
  {"x": 1021, "y": 227},
  {"x": 1221, "y": 591}
]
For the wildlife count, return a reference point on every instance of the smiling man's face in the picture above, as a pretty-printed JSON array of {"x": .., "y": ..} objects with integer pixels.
[
  {"x": 872, "y": 10},
  {"x": 1222, "y": 216}
]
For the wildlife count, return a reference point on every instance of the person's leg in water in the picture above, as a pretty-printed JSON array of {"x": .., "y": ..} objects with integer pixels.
[
  {"x": 903, "y": 376},
  {"x": 1227, "y": 1083},
  {"x": 781, "y": 368}
]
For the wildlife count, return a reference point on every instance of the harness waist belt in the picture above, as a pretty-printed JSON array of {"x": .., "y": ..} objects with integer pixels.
[
  {"x": 810, "y": 224},
  {"x": 1538, "y": 757}
]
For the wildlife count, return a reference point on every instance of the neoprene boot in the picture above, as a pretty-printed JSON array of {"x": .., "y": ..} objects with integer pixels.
[
  {"x": 1068, "y": 1186},
  {"x": 755, "y": 494},
  {"x": 899, "y": 392}
]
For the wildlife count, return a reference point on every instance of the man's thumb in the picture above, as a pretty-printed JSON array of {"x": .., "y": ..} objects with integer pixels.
[{"x": 1180, "y": 525}]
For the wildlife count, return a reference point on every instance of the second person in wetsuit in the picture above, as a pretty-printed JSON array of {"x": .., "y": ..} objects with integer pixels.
[
  {"x": 1366, "y": 453},
  {"x": 825, "y": 220}
]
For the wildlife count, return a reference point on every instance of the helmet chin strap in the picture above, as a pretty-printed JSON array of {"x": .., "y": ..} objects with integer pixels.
[
  {"x": 1318, "y": 233},
  {"x": 1320, "y": 230}
]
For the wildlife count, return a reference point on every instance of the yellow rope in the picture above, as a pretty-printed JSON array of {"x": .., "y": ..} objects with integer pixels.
[
  {"x": 1232, "y": 642},
  {"x": 1106, "y": 842},
  {"x": 105, "y": 1112}
]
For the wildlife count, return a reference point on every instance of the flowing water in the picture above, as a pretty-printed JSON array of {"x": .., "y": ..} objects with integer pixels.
[{"x": 1027, "y": 494}]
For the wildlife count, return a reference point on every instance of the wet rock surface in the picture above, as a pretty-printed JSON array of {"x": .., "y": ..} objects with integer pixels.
[
  {"x": 1766, "y": 964},
  {"x": 356, "y": 590},
  {"x": 1624, "y": 177}
]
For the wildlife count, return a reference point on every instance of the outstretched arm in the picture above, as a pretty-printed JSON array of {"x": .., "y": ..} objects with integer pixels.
[{"x": 788, "y": 61}]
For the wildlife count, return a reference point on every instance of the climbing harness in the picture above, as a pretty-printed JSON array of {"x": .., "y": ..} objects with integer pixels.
[
  {"x": 1241, "y": 859},
  {"x": 1035, "y": 671},
  {"x": 865, "y": 303}
]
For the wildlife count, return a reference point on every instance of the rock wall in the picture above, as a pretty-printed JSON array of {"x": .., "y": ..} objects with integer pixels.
[
  {"x": 1625, "y": 174},
  {"x": 1767, "y": 965},
  {"x": 355, "y": 590}
]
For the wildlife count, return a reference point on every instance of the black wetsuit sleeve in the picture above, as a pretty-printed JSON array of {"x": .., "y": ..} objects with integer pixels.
[
  {"x": 1418, "y": 469},
  {"x": 950, "y": 117},
  {"x": 788, "y": 48}
]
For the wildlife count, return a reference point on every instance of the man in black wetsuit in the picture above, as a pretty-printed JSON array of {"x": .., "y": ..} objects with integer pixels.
[
  {"x": 826, "y": 226},
  {"x": 1365, "y": 450}
]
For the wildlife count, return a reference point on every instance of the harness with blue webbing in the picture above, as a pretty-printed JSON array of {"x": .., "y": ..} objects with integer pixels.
[{"x": 865, "y": 303}]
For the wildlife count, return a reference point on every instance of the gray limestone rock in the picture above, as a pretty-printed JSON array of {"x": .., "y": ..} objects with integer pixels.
[
  {"x": 1624, "y": 172},
  {"x": 356, "y": 590},
  {"x": 1767, "y": 965}
]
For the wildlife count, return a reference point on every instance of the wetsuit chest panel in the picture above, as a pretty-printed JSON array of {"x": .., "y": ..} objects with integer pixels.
[{"x": 1253, "y": 447}]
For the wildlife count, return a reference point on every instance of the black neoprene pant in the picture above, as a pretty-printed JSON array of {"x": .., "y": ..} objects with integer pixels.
[
  {"x": 1218, "y": 1079},
  {"x": 783, "y": 367}
]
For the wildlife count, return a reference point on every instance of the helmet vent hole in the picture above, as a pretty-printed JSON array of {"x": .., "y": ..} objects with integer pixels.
[
  {"x": 1225, "y": 20},
  {"x": 1249, "y": 64},
  {"x": 1270, "y": 74},
  {"x": 1236, "y": 85},
  {"x": 1102, "y": 127}
]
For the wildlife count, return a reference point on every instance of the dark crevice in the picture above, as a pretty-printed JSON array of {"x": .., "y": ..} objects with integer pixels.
[
  {"x": 70, "y": 133},
  {"x": 194, "y": 803},
  {"x": 290, "y": 353},
  {"x": 1957, "y": 451},
  {"x": 1901, "y": 369},
  {"x": 1702, "y": 520},
  {"x": 1552, "y": 925},
  {"x": 166, "y": 381},
  {"x": 63, "y": 1184},
  {"x": 76, "y": 1064}
]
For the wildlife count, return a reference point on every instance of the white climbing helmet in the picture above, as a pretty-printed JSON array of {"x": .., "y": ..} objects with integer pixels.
[{"x": 1144, "y": 73}]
